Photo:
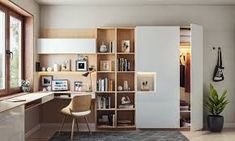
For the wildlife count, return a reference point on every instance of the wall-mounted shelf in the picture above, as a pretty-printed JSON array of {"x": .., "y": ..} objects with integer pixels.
[{"x": 59, "y": 72}]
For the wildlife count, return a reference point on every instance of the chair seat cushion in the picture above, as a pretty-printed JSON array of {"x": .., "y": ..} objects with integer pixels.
[
  {"x": 79, "y": 114},
  {"x": 66, "y": 111}
]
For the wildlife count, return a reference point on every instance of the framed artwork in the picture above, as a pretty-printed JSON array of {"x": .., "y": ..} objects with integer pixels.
[
  {"x": 105, "y": 65},
  {"x": 78, "y": 86},
  {"x": 126, "y": 45},
  {"x": 66, "y": 66},
  {"x": 46, "y": 80},
  {"x": 81, "y": 65}
]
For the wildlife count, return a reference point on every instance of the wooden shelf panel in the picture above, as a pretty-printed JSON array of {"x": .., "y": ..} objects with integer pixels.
[
  {"x": 105, "y": 127},
  {"x": 125, "y": 71},
  {"x": 126, "y": 127},
  {"x": 105, "y": 92},
  {"x": 125, "y": 92},
  {"x": 112, "y": 109},
  {"x": 122, "y": 53},
  {"x": 108, "y": 53},
  {"x": 105, "y": 71},
  {"x": 59, "y": 72},
  {"x": 127, "y": 109}
]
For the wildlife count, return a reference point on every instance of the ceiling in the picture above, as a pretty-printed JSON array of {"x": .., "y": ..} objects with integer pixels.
[{"x": 135, "y": 2}]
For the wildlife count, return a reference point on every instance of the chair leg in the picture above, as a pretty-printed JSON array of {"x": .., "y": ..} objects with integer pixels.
[
  {"x": 77, "y": 124},
  {"x": 87, "y": 124},
  {"x": 72, "y": 131},
  {"x": 62, "y": 124}
]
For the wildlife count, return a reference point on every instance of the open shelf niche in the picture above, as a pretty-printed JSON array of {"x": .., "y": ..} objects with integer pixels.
[
  {"x": 119, "y": 43},
  {"x": 146, "y": 82}
]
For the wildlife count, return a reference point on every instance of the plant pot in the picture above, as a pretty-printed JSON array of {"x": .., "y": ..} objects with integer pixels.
[
  {"x": 215, "y": 123},
  {"x": 26, "y": 89}
]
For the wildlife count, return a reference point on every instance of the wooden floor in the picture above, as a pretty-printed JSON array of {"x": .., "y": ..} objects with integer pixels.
[{"x": 46, "y": 131}]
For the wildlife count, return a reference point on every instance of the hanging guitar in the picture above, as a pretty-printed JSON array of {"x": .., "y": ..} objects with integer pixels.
[{"x": 218, "y": 71}]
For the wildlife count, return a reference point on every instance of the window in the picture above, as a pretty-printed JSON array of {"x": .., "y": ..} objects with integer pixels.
[
  {"x": 11, "y": 51},
  {"x": 15, "y": 48},
  {"x": 2, "y": 50}
]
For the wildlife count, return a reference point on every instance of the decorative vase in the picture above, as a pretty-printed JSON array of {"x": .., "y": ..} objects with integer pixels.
[
  {"x": 215, "y": 123},
  {"x": 25, "y": 89},
  {"x": 103, "y": 48}
]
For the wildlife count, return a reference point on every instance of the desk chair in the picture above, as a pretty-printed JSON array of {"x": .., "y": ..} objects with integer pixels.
[{"x": 80, "y": 106}]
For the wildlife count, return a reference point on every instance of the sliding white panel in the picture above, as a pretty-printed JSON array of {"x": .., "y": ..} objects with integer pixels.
[
  {"x": 66, "y": 46},
  {"x": 197, "y": 77},
  {"x": 158, "y": 51}
]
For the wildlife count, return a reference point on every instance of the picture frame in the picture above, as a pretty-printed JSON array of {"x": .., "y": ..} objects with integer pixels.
[
  {"x": 81, "y": 65},
  {"x": 46, "y": 80},
  {"x": 126, "y": 46},
  {"x": 60, "y": 85},
  {"x": 105, "y": 65},
  {"x": 66, "y": 66},
  {"x": 78, "y": 86}
]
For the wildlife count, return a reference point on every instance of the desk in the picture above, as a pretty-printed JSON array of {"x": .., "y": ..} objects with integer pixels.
[{"x": 12, "y": 112}]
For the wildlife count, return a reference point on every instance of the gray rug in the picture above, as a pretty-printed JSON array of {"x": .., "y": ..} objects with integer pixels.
[{"x": 122, "y": 136}]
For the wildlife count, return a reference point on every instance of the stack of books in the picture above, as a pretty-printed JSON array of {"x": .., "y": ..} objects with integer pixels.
[
  {"x": 124, "y": 64},
  {"x": 103, "y": 102},
  {"x": 104, "y": 85}
]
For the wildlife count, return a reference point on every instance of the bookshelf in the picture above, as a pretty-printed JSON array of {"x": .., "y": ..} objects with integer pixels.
[{"x": 121, "y": 69}]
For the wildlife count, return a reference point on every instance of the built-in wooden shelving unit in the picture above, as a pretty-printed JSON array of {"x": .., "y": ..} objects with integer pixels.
[{"x": 112, "y": 116}]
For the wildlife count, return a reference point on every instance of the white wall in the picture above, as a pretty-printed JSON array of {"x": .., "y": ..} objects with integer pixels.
[
  {"x": 31, "y": 117},
  {"x": 218, "y": 23}
]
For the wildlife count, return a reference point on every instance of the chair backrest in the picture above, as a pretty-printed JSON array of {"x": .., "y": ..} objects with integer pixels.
[{"x": 81, "y": 103}]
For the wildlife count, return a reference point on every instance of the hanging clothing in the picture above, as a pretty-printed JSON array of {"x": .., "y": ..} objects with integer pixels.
[
  {"x": 182, "y": 70},
  {"x": 187, "y": 72}
]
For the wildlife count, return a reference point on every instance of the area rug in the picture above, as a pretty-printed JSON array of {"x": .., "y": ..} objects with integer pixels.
[{"x": 121, "y": 136}]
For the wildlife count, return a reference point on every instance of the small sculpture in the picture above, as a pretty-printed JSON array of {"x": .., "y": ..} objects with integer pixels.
[
  {"x": 125, "y": 100},
  {"x": 103, "y": 48}
]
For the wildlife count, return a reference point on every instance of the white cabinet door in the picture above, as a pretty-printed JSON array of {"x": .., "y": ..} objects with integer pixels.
[
  {"x": 158, "y": 51},
  {"x": 197, "y": 78}
]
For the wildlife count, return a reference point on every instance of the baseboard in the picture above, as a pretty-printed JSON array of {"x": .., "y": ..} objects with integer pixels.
[
  {"x": 229, "y": 125},
  {"x": 31, "y": 131},
  {"x": 67, "y": 126}
]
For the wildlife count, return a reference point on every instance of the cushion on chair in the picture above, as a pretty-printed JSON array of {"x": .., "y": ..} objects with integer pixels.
[
  {"x": 79, "y": 114},
  {"x": 66, "y": 111}
]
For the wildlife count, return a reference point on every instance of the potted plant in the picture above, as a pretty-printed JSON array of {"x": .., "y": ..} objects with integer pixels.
[
  {"x": 215, "y": 105},
  {"x": 25, "y": 85}
]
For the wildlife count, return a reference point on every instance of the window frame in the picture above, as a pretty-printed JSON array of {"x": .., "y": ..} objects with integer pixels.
[{"x": 11, "y": 13}]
